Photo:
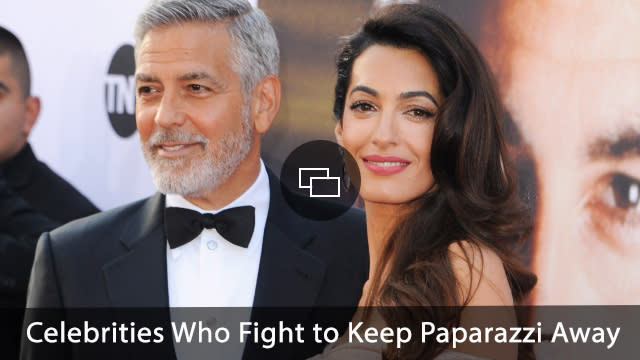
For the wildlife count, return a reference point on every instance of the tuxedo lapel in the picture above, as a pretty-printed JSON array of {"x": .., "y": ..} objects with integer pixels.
[
  {"x": 138, "y": 277},
  {"x": 288, "y": 275}
]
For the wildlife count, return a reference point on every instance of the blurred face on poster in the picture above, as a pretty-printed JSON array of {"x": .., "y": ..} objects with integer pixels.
[{"x": 569, "y": 73}]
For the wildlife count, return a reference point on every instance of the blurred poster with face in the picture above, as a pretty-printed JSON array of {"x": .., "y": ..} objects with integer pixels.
[{"x": 569, "y": 74}]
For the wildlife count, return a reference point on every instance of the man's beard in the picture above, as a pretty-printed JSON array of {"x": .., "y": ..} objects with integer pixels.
[{"x": 200, "y": 174}]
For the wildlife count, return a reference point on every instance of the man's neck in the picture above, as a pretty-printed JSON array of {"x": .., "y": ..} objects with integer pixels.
[
  {"x": 240, "y": 181},
  {"x": 12, "y": 154}
]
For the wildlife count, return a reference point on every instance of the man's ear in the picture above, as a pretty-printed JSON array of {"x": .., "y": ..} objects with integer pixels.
[
  {"x": 32, "y": 110},
  {"x": 338, "y": 131},
  {"x": 265, "y": 103}
]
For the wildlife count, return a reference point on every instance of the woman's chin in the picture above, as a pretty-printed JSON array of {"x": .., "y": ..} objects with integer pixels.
[
  {"x": 386, "y": 198},
  {"x": 396, "y": 194}
]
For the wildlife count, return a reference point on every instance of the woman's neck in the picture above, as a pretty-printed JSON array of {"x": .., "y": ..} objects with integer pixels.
[{"x": 381, "y": 221}]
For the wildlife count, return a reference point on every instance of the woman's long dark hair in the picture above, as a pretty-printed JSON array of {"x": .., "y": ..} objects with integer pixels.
[{"x": 474, "y": 198}]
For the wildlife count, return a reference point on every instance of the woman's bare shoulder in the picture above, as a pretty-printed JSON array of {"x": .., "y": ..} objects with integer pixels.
[{"x": 480, "y": 274}]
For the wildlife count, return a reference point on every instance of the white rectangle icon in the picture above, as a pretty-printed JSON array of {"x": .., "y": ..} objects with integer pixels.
[
  {"x": 306, "y": 171},
  {"x": 334, "y": 179}
]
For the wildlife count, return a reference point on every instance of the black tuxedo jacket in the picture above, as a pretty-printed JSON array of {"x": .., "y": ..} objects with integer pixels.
[
  {"x": 117, "y": 259},
  {"x": 45, "y": 190}
]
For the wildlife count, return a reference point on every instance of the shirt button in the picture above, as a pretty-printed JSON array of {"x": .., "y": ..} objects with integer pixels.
[{"x": 212, "y": 245}]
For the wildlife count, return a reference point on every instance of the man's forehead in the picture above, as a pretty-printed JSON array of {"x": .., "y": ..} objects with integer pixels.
[
  {"x": 566, "y": 30},
  {"x": 5, "y": 64},
  {"x": 191, "y": 45},
  {"x": 183, "y": 34},
  {"x": 7, "y": 76},
  {"x": 600, "y": 94},
  {"x": 593, "y": 105}
]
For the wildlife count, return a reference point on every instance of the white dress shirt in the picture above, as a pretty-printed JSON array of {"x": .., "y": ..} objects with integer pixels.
[{"x": 209, "y": 271}]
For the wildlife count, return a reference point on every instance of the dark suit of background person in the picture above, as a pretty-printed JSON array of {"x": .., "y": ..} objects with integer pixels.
[
  {"x": 20, "y": 227},
  {"x": 45, "y": 190}
]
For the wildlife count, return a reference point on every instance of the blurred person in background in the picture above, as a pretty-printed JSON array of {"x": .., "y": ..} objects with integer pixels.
[
  {"x": 43, "y": 189},
  {"x": 33, "y": 199}
]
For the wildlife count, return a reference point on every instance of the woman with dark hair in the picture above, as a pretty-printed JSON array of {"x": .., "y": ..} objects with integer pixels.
[{"x": 418, "y": 109}]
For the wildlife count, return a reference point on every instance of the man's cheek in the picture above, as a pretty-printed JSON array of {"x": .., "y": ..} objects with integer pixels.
[{"x": 144, "y": 123}]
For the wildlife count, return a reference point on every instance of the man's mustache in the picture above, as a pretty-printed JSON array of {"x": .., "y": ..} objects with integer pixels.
[{"x": 160, "y": 137}]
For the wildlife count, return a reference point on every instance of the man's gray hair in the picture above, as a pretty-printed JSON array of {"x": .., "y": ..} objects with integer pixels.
[{"x": 254, "y": 47}]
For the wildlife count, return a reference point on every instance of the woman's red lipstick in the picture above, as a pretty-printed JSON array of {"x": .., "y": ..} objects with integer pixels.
[{"x": 385, "y": 165}]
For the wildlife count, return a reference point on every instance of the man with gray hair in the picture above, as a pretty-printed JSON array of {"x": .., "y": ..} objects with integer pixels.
[{"x": 219, "y": 232}]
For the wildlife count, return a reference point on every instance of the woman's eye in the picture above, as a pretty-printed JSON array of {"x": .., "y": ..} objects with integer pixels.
[
  {"x": 362, "y": 106},
  {"x": 421, "y": 113},
  {"x": 626, "y": 191}
]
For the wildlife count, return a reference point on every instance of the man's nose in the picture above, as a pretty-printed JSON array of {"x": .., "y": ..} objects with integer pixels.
[{"x": 170, "y": 112}]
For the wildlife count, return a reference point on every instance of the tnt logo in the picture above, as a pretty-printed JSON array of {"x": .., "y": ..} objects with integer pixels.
[{"x": 120, "y": 92}]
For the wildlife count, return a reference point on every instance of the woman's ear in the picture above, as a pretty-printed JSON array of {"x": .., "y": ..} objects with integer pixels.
[
  {"x": 338, "y": 132},
  {"x": 265, "y": 103}
]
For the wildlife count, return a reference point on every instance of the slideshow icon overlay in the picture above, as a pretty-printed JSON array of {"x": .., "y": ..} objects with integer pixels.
[{"x": 318, "y": 178}]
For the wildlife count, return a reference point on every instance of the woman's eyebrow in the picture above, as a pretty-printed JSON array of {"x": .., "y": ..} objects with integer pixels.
[
  {"x": 363, "y": 88},
  {"x": 410, "y": 94}
]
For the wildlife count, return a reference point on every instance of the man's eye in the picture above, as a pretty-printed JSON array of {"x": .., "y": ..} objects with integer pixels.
[
  {"x": 142, "y": 90},
  {"x": 196, "y": 87},
  {"x": 613, "y": 210},
  {"x": 626, "y": 191},
  {"x": 362, "y": 106}
]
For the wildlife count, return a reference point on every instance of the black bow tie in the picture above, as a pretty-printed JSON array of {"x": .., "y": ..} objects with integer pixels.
[{"x": 183, "y": 225}]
